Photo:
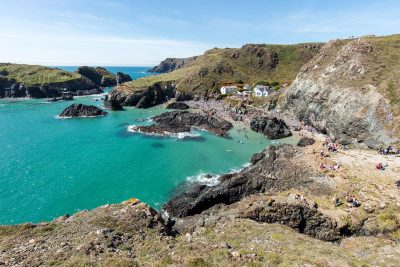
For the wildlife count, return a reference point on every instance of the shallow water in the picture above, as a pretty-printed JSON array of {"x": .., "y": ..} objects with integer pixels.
[{"x": 50, "y": 167}]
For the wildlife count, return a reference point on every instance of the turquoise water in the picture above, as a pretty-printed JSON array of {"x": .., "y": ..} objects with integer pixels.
[{"x": 50, "y": 167}]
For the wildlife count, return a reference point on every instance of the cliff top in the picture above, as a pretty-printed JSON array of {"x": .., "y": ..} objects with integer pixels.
[
  {"x": 250, "y": 63},
  {"x": 35, "y": 74}
]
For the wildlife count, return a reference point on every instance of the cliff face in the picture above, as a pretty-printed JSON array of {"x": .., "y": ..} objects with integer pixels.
[
  {"x": 156, "y": 94},
  {"x": 203, "y": 75},
  {"x": 33, "y": 81},
  {"x": 102, "y": 77},
  {"x": 350, "y": 90},
  {"x": 171, "y": 64}
]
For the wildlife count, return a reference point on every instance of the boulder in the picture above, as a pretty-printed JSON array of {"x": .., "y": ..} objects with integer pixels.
[
  {"x": 273, "y": 128},
  {"x": 80, "y": 110},
  {"x": 305, "y": 141},
  {"x": 183, "y": 121},
  {"x": 177, "y": 105},
  {"x": 182, "y": 96}
]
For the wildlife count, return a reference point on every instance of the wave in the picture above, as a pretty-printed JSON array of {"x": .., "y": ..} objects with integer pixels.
[
  {"x": 204, "y": 179},
  {"x": 213, "y": 179},
  {"x": 182, "y": 135}
]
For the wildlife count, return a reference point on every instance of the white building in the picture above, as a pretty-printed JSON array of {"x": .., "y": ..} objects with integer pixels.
[
  {"x": 262, "y": 91},
  {"x": 228, "y": 89}
]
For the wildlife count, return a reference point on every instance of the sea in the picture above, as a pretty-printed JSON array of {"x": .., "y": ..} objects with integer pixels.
[{"x": 50, "y": 167}]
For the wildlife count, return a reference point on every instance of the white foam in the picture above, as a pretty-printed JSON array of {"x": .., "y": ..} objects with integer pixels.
[
  {"x": 204, "y": 179},
  {"x": 183, "y": 135}
]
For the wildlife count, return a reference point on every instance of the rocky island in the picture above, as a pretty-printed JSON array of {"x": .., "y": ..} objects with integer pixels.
[
  {"x": 184, "y": 121},
  {"x": 34, "y": 81},
  {"x": 80, "y": 110}
]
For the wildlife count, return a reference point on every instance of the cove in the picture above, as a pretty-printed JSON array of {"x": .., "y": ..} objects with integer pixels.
[{"x": 51, "y": 167}]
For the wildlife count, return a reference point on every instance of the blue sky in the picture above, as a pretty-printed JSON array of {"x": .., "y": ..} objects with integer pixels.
[{"x": 123, "y": 32}]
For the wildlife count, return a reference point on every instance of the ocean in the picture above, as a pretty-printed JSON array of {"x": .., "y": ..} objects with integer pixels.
[{"x": 51, "y": 167}]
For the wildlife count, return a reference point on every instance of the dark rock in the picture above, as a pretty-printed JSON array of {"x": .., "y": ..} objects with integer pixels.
[
  {"x": 177, "y": 105},
  {"x": 305, "y": 141},
  {"x": 61, "y": 98},
  {"x": 80, "y": 110},
  {"x": 90, "y": 73},
  {"x": 171, "y": 64},
  {"x": 297, "y": 215},
  {"x": 112, "y": 104},
  {"x": 272, "y": 173},
  {"x": 256, "y": 158},
  {"x": 183, "y": 121},
  {"x": 156, "y": 94},
  {"x": 273, "y": 128},
  {"x": 182, "y": 96},
  {"x": 122, "y": 78}
]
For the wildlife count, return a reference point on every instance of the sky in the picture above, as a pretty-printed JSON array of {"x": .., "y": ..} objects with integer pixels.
[{"x": 142, "y": 33}]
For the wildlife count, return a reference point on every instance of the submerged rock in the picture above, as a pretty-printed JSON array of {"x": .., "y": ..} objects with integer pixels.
[
  {"x": 177, "y": 105},
  {"x": 80, "y": 110},
  {"x": 273, "y": 128},
  {"x": 183, "y": 121}
]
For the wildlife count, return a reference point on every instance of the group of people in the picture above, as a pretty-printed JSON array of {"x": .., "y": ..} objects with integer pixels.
[
  {"x": 389, "y": 151},
  {"x": 381, "y": 166},
  {"x": 329, "y": 167},
  {"x": 351, "y": 201},
  {"x": 332, "y": 147}
]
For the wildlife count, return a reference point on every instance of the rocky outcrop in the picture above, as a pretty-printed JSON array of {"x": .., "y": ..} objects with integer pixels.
[
  {"x": 276, "y": 169},
  {"x": 13, "y": 89},
  {"x": 305, "y": 141},
  {"x": 273, "y": 128},
  {"x": 296, "y": 214},
  {"x": 183, "y": 96},
  {"x": 344, "y": 91},
  {"x": 102, "y": 77},
  {"x": 80, "y": 110},
  {"x": 171, "y": 64},
  {"x": 177, "y": 105},
  {"x": 156, "y": 94},
  {"x": 122, "y": 78},
  {"x": 183, "y": 121}
]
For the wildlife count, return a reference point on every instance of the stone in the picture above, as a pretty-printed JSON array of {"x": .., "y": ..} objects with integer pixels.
[
  {"x": 177, "y": 105},
  {"x": 305, "y": 141},
  {"x": 80, "y": 110},
  {"x": 273, "y": 128}
]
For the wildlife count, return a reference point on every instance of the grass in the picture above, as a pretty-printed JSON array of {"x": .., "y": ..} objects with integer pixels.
[
  {"x": 35, "y": 74},
  {"x": 245, "y": 68}
]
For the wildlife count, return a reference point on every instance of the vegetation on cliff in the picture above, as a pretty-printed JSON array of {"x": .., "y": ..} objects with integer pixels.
[
  {"x": 250, "y": 64},
  {"x": 35, "y": 74}
]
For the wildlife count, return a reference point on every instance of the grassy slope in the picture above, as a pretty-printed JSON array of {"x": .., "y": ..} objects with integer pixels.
[
  {"x": 35, "y": 74},
  {"x": 291, "y": 59}
]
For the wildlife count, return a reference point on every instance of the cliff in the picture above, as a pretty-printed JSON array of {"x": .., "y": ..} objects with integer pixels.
[
  {"x": 171, "y": 64},
  {"x": 203, "y": 75},
  {"x": 33, "y": 81},
  {"x": 102, "y": 77},
  {"x": 350, "y": 90}
]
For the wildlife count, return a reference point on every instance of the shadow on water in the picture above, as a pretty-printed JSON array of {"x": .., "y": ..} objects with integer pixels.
[{"x": 157, "y": 145}]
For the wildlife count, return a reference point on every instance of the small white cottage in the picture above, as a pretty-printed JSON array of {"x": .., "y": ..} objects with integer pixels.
[
  {"x": 262, "y": 91},
  {"x": 228, "y": 89}
]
